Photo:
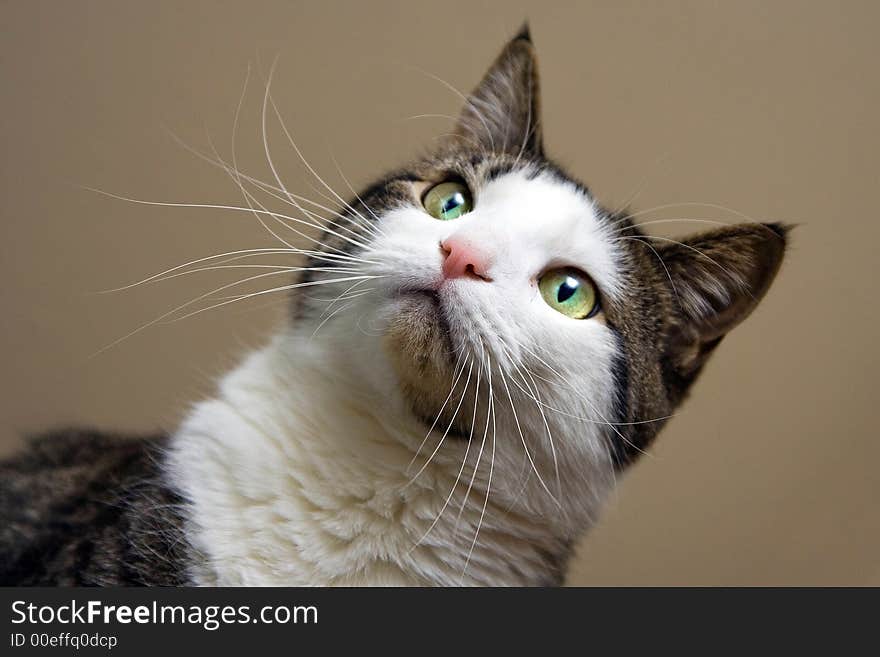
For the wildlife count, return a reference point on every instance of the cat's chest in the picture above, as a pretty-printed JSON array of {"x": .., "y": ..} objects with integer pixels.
[{"x": 288, "y": 485}]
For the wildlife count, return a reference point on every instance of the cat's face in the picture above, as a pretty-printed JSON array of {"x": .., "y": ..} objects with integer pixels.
[{"x": 505, "y": 299}]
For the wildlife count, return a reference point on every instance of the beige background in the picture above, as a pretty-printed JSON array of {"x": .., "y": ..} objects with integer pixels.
[{"x": 769, "y": 474}]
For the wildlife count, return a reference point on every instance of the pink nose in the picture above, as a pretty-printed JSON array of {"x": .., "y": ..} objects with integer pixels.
[{"x": 463, "y": 258}]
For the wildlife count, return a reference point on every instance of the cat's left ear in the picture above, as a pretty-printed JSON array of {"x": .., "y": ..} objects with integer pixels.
[
  {"x": 502, "y": 115},
  {"x": 716, "y": 281}
]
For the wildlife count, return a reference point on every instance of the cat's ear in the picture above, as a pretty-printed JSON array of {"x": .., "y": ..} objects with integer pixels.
[
  {"x": 716, "y": 281},
  {"x": 502, "y": 115}
]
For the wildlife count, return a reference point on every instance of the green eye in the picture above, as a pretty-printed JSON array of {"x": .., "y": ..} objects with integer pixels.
[
  {"x": 448, "y": 200},
  {"x": 570, "y": 292}
]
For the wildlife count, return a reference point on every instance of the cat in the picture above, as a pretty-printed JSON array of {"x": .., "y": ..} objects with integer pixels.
[{"x": 499, "y": 349}]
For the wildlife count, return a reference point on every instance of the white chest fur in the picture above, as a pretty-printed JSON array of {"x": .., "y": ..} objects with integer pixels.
[{"x": 296, "y": 476}]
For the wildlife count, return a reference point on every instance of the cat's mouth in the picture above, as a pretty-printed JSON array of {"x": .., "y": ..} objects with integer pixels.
[
  {"x": 421, "y": 331},
  {"x": 423, "y": 311}
]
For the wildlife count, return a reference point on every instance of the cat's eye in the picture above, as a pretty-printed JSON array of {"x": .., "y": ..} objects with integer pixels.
[
  {"x": 448, "y": 200},
  {"x": 569, "y": 291}
]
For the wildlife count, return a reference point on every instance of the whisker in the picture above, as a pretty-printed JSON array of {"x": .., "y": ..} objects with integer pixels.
[
  {"x": 542, "y": 404},
  {"x": 463, "y": 460},
  {"x": 491, "y": 468},
  {"x": 247, "y": 196},
  {"x": 691, "y": 204},
  {"x": 280, "y": 268},
  {"x": 468, "y": 101},
  {"x": 281, "y": 288},
  {"x": 733, "y": 276},
  {"x": 293, "y": 144},
  {"x": 518, "y": 370},
  {"x": 660, "y": 259},
  {"x": 234, "y": 208},
  {"x": 196, "y": 300},
  {"x": 640, "y": 187},
  {"x": 331, "y": 316},
  {"x": 675, "y": 221},
  {"x": 448, "y": 426},
  {"x": 605, "y": 421},
  {"x": 271, "y": 190},
  {"x": 460, "y": 371},
  {"x": 313, "y": 219},
  {"x": 523, "y": 439},
  {"x": 238, "y": 255},
  {"x": 342, "y": 296},
  {"x": 482, "y": 442},
  {"x": 377, "y": 227}
]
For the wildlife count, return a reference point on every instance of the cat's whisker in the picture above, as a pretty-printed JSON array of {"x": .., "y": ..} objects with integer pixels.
[
  {"x": 178, "y": 309},
  {"x": 355, "y": 295},
  {"x": 268, "y": 188},
  {"x": 338, "y": 298},
  {"x": 472, "y": 102},
  {"x": 605, "y": 420},
  {"x": 457, "y": 371},
  {"x": 449, "y": 425},
  {"x": 523, "y": 439},
  {"x": 732, "y": 275},
  {"x": 376, "y": 226},
  {"x": 687, "y": 204},
  {"x": 660, "y": 260},
  {"x": 342, "y": 297},
  {"x": 542, "y": 404},
  {"x": 290, "y": 197},
  {"x": 483, "y": 355},
  {"x": 240, "y": 255},
  {"x": 258, "y": 307},
  {"x": 430, "y": 115},
  {"x": 237, "y": 180},
  {"x": 233, "y": 208},
  {"x": 640, "y": 187},
  {"x": 679, "y": 220},
  {"x": 281, "y": 288},
  {"x": 206, "y": 295},
  {"x": 313, "y": 219},
  {"x": 530, "y": 128},
  {"x": 351, "y": 218},
  {"x": 349, "y": 213},
  {"x": 463, "y": 460},
  {"x": 233, "y": 255},
  {"x": 331, "y": 316},
  {"x": 468, "y": 101},
  {"x": 268, "y": 97},
  {"x": 280, "y": 268},
  {"x": 268, "y": 153},
  {"x": 491, "y": 466},
  {"x": 540, "y": 410},
  {"x": 370, "y": 229}
]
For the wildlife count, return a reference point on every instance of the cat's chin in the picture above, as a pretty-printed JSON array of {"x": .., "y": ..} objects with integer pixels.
[{"x": 419, "y": 344}]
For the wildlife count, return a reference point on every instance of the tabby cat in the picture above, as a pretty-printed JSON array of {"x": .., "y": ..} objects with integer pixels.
[{"x": 498, "y": 348}]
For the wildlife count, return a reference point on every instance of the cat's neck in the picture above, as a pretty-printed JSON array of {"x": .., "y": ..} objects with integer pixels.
[{"x": 297, "y": 476}]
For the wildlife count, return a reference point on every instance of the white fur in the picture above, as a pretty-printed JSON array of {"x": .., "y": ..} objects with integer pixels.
[{"x": 301, "y": 470}]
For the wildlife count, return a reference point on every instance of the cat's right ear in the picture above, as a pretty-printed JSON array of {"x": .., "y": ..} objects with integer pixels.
[{"x": 502, "y": 115}]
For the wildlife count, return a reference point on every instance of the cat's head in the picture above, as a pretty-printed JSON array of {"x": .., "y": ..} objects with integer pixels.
[{"x": 505, "y": 301}]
